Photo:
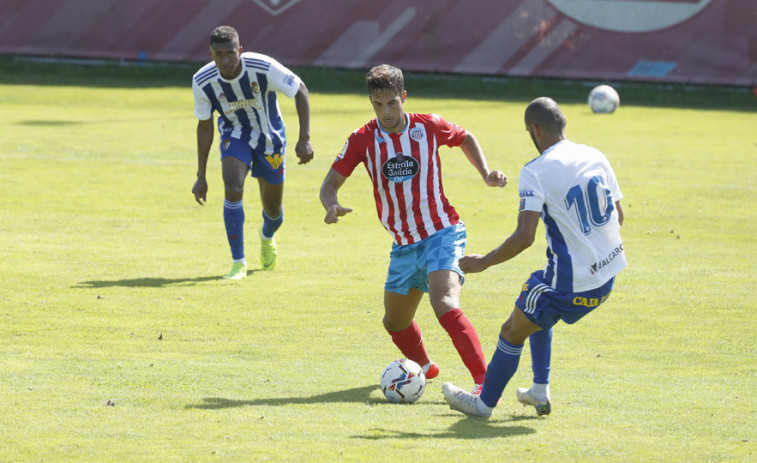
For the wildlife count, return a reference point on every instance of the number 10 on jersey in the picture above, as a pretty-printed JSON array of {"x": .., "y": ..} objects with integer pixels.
[{"x": 593, "y": 204}]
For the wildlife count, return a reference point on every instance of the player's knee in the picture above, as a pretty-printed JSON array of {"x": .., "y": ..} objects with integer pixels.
[
  {"x": 234, "y": 192},
  {"x": 513, "y": 334},
  {"x": 506, "y": 329},
  {"x": 274, "y": 212},
  {"x": 395, "y": 324}
]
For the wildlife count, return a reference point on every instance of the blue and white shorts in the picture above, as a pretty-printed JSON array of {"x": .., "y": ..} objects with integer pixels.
[
  {"x": 546, "y": 306},
  {"x": 268, "y": 166},
  {"x": 410, "y": 264}
]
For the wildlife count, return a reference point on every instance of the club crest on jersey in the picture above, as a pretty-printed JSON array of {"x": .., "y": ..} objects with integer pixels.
[
  {"x": 255, "y": 87},
  {"x": 417, "y": 134},
  {"x": 226, "y": 144},
  {"x": 275, "y": 160},
  {"x": 400, "y": 168}
]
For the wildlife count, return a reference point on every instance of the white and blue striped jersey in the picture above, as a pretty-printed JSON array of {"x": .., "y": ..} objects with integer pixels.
[
  {"x": 247, "y": 106},
  {"x": 575, "y": 189}
]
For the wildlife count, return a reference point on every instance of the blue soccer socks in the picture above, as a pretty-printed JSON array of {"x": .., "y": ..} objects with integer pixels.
[
  {"x": 233, "y": 218},
  {"x": 270, "y": 225},
  {"x": 541, "y": 355},
  {"x": 502, "y": 367}
]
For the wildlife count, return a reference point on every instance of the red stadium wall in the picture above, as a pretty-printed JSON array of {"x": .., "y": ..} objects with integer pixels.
[{"x": 692, "y": 41}]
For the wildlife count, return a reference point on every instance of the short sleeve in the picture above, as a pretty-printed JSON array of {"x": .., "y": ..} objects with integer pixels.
[
  {"x": 530, "y": 191},
  {"x": 349, "y": 157},
  {"x": 612, "y": 181},
  {"x": 447, "y": 133},
  {"x": 281, "y": 79},
  {"x": 203, "y": 107}
]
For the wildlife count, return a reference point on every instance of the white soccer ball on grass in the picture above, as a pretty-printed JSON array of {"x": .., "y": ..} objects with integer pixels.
[
  {"x": 403, "y": 381},
  {"x": 603, "y": 99}
]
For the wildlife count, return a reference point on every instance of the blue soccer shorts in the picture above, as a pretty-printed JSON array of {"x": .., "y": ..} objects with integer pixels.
[
  {"x": 410, "y": 264},
  {"x": 546, "y": 306},
  {"x": 270, "y": 167}
]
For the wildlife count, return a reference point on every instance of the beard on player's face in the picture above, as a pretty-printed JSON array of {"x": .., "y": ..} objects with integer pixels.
[{"x": 389, "y": 110}]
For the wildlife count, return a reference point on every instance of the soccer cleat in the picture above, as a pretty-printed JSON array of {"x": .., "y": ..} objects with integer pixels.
[
  {"x": 238, "y": 271},
  {"x": 477, "y": 392},
  {"x": 464, "y": 401},
  {"x": 268, "y": 253},
  {"x": 543, "y": 407},
  {"x": 431, "y": 370}
]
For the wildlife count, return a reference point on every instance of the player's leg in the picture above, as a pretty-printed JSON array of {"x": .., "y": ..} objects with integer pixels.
[
  {"x": 271, "y": 195},
  {"x": 500, "y": 370},
  {"x": 399, "y": 314},
  {"x": 541, "y": 354},
  {"x": 403, "y": 290},
  {"x": 440, "y": 257},
  {"x": 234, "y": 172},
  {"x": 504, "y": 362},
  {"x": 444, "y": 294}
]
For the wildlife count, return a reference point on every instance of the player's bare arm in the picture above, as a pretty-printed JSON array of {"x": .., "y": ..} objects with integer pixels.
[
  {"x": 521, "y": 239},
  {"x": 205, "y": 132},
  {"x": 304, "y": 148},
  {"x": 620, "y": 212},
  {"x": 331, "y": 185},
  {"x": 475, "y": 154}
]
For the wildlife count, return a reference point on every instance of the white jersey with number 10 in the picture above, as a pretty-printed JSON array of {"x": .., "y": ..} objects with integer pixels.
[{"x": 575, "y": 189}]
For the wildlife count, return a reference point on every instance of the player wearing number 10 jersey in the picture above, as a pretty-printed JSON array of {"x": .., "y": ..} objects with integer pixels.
[
  {"x": 573, "y": 189},
  {"x": 399, "y": 151}
]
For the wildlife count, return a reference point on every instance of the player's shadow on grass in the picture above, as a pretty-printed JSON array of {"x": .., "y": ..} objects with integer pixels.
[
  {"x": 148, "y": 282},
  {"x": 465, "y": 428},
  {"x": 358, "y": 394}
]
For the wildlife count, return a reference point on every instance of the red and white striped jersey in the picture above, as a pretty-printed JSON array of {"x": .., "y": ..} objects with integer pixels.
[{"x": 406, "y": 173}]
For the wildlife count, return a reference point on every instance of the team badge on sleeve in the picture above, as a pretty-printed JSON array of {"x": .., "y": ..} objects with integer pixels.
[{"x": 344, "y": 150}]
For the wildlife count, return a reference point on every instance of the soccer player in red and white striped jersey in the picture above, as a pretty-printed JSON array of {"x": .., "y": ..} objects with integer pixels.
[{"x": 400, "y": 153}]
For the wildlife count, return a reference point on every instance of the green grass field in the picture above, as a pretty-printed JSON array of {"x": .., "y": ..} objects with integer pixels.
[{"x": 120, "y": 342}]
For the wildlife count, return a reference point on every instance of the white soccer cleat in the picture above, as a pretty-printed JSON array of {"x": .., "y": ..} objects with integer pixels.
[
  {"x": 542, "y": 406},
  {"x": 464, "y": 401}
]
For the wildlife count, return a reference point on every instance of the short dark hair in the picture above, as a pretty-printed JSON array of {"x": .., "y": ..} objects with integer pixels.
[
  {"x": 385, "y": 77},
  {"x": 224, "y": 34},
  {"x": 545, "y": 113}
]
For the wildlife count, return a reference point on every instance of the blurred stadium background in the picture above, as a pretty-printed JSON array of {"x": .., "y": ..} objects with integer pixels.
[{"x": 666, "y": 41}]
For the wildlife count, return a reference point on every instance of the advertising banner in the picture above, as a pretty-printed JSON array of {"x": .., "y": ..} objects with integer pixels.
[{"x": 681, "y": 41}]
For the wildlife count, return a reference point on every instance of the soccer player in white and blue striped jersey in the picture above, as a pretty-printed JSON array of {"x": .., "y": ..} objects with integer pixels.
[
  {"x": 573, "y": 189},
  {"x": 242, "y": 87}
]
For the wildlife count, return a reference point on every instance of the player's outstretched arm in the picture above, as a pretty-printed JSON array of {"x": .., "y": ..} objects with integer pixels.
[
  {"x": 304, "y": 148},
  {"x": 475, "y": 154},
  {"x": 331, "y": 185},
  {"x": 520, "y": 240},
  {"x": 204, "y": 142}
]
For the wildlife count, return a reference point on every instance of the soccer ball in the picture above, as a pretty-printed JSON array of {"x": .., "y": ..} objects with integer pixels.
[
  {"x": 403, "y": 381},
  {"x": 603, "y": 99}
]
